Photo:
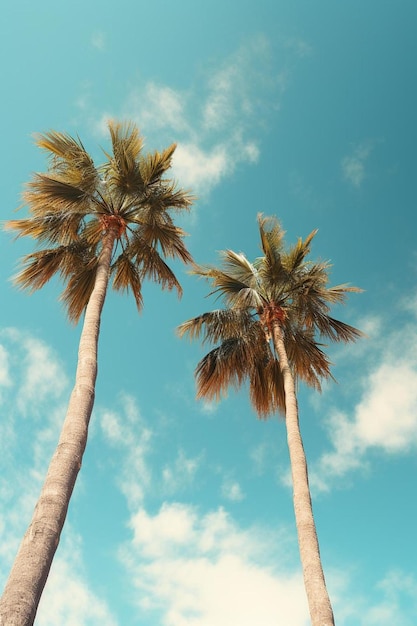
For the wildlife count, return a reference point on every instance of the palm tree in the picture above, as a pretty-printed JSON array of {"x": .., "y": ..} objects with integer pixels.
[
  {"x": 277, "y": 309},
  {"x": 98, "y": 224}
]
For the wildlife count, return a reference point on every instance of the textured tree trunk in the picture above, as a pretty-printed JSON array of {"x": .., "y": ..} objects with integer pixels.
[
  {"x": 317, "y": 596},
  {"x": 30, "y": 570}
]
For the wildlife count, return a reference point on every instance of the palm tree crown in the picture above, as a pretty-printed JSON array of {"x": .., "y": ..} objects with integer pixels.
[
  {"x": 282, "y": 287},
  {"x": 75, "y": 205}
]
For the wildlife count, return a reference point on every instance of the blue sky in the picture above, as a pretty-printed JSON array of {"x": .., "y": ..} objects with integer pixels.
[{"x": 182, "y": 514}]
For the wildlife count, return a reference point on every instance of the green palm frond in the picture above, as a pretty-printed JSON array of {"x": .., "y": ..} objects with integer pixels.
[
  {"x": 69, "y": 159},
  {"x": 272, "y": 236},
  {"x": 238, "y": 267},
  {"x": 169, "y": 196},
  {"x": 293, "y": 259},
  {"x": 153, "y": 166},
  {"x": 122, "y": 170}
]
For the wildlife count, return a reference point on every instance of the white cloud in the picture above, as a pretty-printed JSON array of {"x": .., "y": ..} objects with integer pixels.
[
  {"x": 200, "y": 169},
  {"x": 38, "y": 371},
  {"x": 200, "y": 570},
  {"x": 392, "y": 600},
  {"x": 5, "y": 380},
  {"x": 300, "y": 47},
  {"x": 261, "y": 456},
  {"x": 209, "y": 407},
  {"x": 98, "y": 41},
  {"x": 216, "y": 123},
  {"x": 158, "y": 107},
  {"x": 353, "y": 165},
  {"x": 33, "y": 379},
  {"x": 128, "y": 431},
  {"x": 231, "y": 490},
  {"x": 180, "y": 474},
  {"x": 68, "y": 600},
  {"x": 385, "y": 417}
]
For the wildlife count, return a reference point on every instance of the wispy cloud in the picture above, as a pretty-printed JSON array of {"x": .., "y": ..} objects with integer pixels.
[
  {"x": 40, "y": 373},
  {"x": 385, "y": 417},
  {"x": 353, "y": 165},
  {"x": 181, "y": 473},
  {"x": 19, "y": 447},
  {"x": 68, "y": 599},
  {"x": 394, "y": 600},
  {"x": 232, "y": 490},
  {"x": 218, "y": 124},
  {"x": 35, "y": 375},
  {"x": 127, "y": 431},
  {"x": 98, "y": 40}
]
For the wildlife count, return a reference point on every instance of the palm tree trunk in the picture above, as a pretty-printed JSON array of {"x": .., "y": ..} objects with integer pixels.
[
  {"x": 321, "y": 612},
  {"x": 30, "y": 570}
]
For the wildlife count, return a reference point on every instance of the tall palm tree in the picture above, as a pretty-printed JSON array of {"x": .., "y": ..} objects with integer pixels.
[
  {"x": 94, "y": 225},
  {"x": 277, "y": 309}
]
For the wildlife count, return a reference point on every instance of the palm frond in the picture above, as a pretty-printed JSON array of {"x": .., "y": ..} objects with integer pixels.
[
  {"x": 74, "y": 204},
  {"x": 266, "y": 387},
  {"x": 45, "y": 194},
  {"x": 166, "y": 195},
  {"x": 231, "y": 289},
  {"x": 279, "y": 289},
  {"x": 126, "y": 277},
  {"x": 69, "y": 160},
  {"x": 153, "y": 166},
  {"x": 293, "y": 259},
  {"x": 79, "y": 288},
  {"x": 218, "y": 325},
  {"x": 51, "y": 228},
  {"x": 335, "y": 330},
  {"x": 92, "y": 232},
  {"x": 163, "y": 233},
  {"x": 238, "y": 267},
  {"x": 272, "y": 236},
  {"x": 308, "y": 362},
  {"x": 151, "y": 265},
  {"x": 40, "y": 266},
  {"x": 227, "y": 365},
  {"x": 122, "y": 171},
  {"x": 337, "y": 294}
]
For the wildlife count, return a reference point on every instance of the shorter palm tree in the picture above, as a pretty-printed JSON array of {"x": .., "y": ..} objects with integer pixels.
[
  {"x": 268, "y": 335},
  {"x": 100, "y": 225}
]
